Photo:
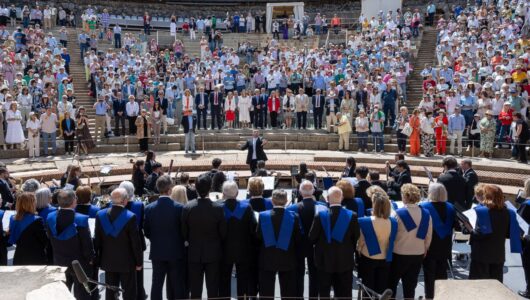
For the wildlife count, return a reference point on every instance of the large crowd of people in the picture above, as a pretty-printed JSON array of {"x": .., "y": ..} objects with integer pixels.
[{"x": 386, "y": 231}]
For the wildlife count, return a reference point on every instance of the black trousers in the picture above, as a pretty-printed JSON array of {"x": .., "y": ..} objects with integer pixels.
[
  {"x": 521, "y": 151},
  {"x": 132, "y": 126},
  {"x": 274, "y": 119},
  {"x": 525, "y": 258},
  {"x": 341, "y": 283},
  {"x": 196, "y": 273},
  {"x": 144, "y": 146},
  {"x": 117, "y": 121},
  {"x": 258, "y": 118},
  {"x": 480, "y": 270},
  {"x": 175, "y": 272},
  {"x": 140, "y": 290},
  {"x": 433, "y": 269},
  {"x": 267, "y": 282},
  {"x": 401, "y": 141},
  {"x": 301, "y": 119},
  {"x": 243, "y": 274},
  {"x": 216, "y": 117},
  {"x": 253, "y": 165},
  {"x": 68, "y": 143},
  {"x": 201, "y": 114},
  {"x": 71, "y": 281},
  {"x": 317, "y": 115},
  {"x": 127, "y": 281},
  {"x": 313, "y": 277},
  {"x": 374, "y": 273},
  {"x": 405, "y": 268}
]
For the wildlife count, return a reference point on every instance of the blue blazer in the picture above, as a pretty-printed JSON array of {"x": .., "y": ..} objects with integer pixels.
[{"x": 162, "y": 228}]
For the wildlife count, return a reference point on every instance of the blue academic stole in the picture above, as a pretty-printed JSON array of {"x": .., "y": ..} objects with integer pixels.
[
  {"x": 69, "y": 232},
  {"x": 341, "y": 225},
  {"x": 360, "y": 207},
  {"x": 484, "y": 226},
  {"x": 46, "y": 211},
  {"x": 372, "y": 244},
  {"x": 1, "y": 220},
  {"x": 407, "y": 220},
  {"x": 238, "y": 212},
  {"x": 442, "y": 229},
  {"x": 137, "y": 208},
  {"x": 114, "y": 228},
  {"x": 16, "y": 227},
  {"x": 286, "y": 230},
  {"x": 267, "y": 202}
]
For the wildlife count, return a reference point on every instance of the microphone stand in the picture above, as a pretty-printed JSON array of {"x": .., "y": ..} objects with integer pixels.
[{"x": 115, "y": 289}]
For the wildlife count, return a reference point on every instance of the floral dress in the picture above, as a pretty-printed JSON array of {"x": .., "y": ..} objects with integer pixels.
[{"x": 487, "y": 135}]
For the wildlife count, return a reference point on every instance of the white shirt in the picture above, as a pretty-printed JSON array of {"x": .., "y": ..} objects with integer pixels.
[
  {"x": 132, "y": 108},
  {"x": 35, "y": 125},
  {"x": 254, "y": 140}
]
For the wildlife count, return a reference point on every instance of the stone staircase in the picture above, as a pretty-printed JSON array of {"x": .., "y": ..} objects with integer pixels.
[{"x": 426, "y": 54}]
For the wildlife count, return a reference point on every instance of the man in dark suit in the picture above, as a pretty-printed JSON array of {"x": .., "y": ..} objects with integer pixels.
[
  {"x": 454, "y": 183},
  {"x": 70, "y": 238},
  {"x": 163, "y": 228},
  {"x": 278, "y": 254},
  {"x": 216, "y": 107},
  {"x": 6, "y": 191},
  {"x": 255, "y": 150},
  {"x": 471, "y": 178},
  {"x": 318, "y": 102},
  {"x": 68, "y": 127},
  {"x": 118, "y": 107},
  {"x": 204, "y": 227},
  {"x": 189, "y": 123},
  {"x": 402, "y": 177},
  {"x": 150, "y": 183},
  {"x": 361, "y": 96},
  {"x": 117, "y": 245},
  {"x": 263, "y": 100},
  {"x": 334, "y": 251},
  {"x": 218, "y": 176},
  {"x": 306, "y": 211},
  {"x": 238, "y": 245},
  {"x": 362, "y": 185},
  {"x": 201, "y": 104}
]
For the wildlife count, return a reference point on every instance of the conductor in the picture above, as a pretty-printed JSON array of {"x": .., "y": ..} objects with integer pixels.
[{"x": 255, "y": 150}]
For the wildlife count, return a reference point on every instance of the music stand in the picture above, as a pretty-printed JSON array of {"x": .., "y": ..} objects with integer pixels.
[{"x": 327, "y": 182}]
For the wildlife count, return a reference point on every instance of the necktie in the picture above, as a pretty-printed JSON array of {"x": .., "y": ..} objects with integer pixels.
[{"x": 215, "y": 99}]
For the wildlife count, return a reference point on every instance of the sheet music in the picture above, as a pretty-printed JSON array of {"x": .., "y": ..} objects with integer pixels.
[
  {"x": 352, "y": 180},
  {"x": 522, "y": 223},
  {"x": 231, "y": 175},
  {"x": 268, "y": 182},
  {"x": 7, "y": 217},
  {"x": 92, "y": 226},
  {"x": 471, "y": 215}
]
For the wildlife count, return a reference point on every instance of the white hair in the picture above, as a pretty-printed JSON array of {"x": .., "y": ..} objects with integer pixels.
[
  {"x": 119, "y": 195},
  {"x": 334, "y": 195},
  {"x": 306, "y": 188},
  {"x": 230, "y": 190},
  {"x": 129, "y": 187},
  {"x": 437, "y": 192}
]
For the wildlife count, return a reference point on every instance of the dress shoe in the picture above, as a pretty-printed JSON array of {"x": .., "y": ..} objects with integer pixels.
[{"x": 524, "y": 294}]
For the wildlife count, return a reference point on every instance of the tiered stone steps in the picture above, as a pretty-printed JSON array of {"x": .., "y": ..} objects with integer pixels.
[{"x": 426, "y": 54}]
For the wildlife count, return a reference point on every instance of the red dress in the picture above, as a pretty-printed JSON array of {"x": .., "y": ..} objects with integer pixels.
[{"x": 230, "y": 115}]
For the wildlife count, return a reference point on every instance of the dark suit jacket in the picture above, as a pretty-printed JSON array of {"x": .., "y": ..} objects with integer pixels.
[
  {"x": 441, "y": 248},
  {"x": 328, "y": 106},
  {"x": 260, "y": 154},
  {"x": 185, "y": 124},
  {"x": 348, "y": 172},
  {"x": 322, "y": 103},
  {"x": 272, "y": 258},
  {"x": 71, "y": 129},
  {"x": 204, "y": 227},
  {"x": 150, "y": 183},
  {"x": 198, "y": 100},
  {"x": 471, "y": 179},
  {"x": 162, "y": 227},
  {"x": 119, "y": 106},
  {"x": 336, "y": 256},
  {"x": 360, "y": 192},
  {"x": 239, "y": 241},
  {"x": 258, "y": 204},
  {"x": 220, "y": 98},
  {"x": 79, "y": 247},
  {"x": 456, "y": 188},
  {"x": 489, "y": 248},
  {"x": 122, "y": 253},
  {"x": 32, "y": 245},
  {"x": 306, "y": 212},
  {"x": 7, "y": 195},
  {"x": 394, "y": 187},
  {"x": 218, "y": 178}
]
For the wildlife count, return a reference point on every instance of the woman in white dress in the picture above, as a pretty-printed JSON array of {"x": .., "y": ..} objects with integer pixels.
[
  {"x": 33, "y": 126},
  {"x": 204, "y": 48},
  {"x": 173, "y": 26},
  {"x": 244, "y": 107},
  {"x": 15, "y": 133}
]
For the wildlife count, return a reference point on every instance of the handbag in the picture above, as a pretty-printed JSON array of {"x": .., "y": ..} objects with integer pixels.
[{"x": 407, "y": 129}]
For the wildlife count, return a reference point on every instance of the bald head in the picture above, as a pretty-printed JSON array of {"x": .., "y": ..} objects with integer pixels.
[
  {"x": 334, "y": 195},
  {"x": 306, "y": 189},
  {"x": 119, "y": 196}
]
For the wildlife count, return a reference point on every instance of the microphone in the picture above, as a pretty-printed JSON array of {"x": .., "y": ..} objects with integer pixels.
[
  {"x": 81, "y": 275},
  {"x": 386, "y": 295}
]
